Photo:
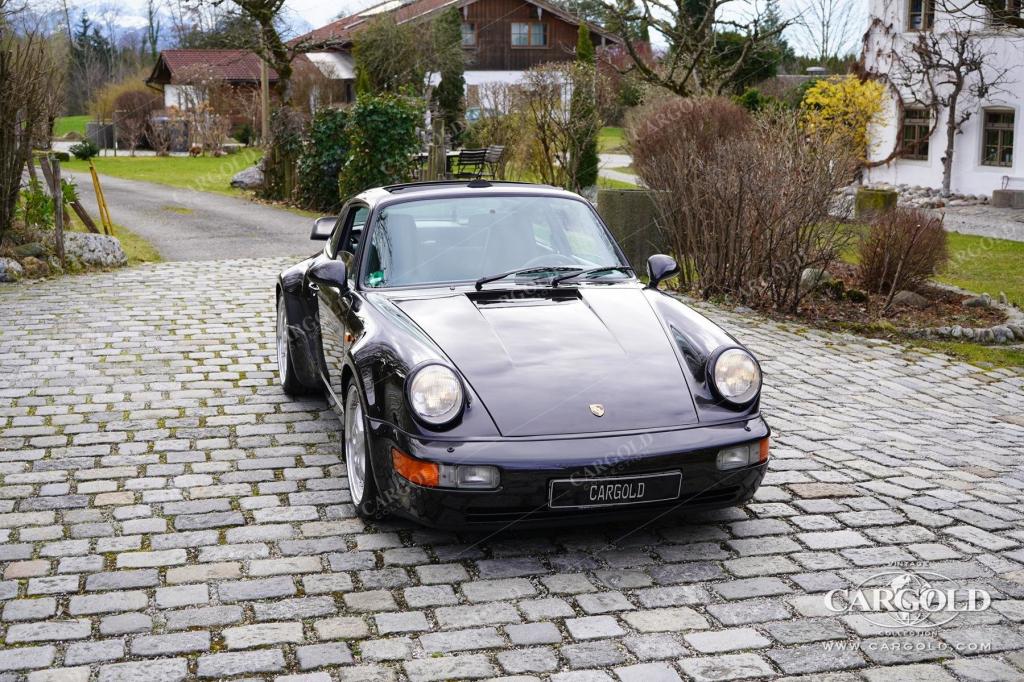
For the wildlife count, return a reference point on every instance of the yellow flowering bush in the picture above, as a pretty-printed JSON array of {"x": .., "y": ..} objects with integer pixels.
[{"x": 844, "y": 107}]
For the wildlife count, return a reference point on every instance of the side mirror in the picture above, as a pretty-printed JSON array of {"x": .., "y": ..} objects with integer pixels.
[
  {"x": 323, "y": 227},
  {"x": 660, "y": 267},
  {"x": 330, "y": 273}
]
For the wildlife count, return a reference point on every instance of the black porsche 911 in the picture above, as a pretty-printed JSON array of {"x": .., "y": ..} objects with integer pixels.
[{"x": 495, "y": 361}]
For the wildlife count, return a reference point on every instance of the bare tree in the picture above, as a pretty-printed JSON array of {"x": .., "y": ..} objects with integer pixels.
[
  {"x": 161, "y": 133},
  {"x": 827, "y": 28},
  {"x": 268, "y": 43},
  {"x": 206, "y": 100},
  {"x": 1006, "y": 12},
  {"x": 550, "y": 127},
  {"x": 134, "y": 109},
  {"x": 951, "y": 70},
  {"x": 694, "y": 62},
  {"x": 30, "y": 83},
  {"x": 152, "y": 38}
]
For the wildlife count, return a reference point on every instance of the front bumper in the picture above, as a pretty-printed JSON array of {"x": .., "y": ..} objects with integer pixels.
[{"x": 529, "y": 465}]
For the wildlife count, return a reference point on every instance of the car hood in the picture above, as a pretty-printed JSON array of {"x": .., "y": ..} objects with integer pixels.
[{"x": 544, "y": 363}]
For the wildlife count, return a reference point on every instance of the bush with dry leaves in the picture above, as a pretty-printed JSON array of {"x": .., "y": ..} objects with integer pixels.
[
  {"x": 902, "y": 249},
  {"x": 743, "y": 199}
]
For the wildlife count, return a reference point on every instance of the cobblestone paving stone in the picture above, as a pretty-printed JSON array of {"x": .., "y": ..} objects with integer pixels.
[{"x": 167, "y": 513}]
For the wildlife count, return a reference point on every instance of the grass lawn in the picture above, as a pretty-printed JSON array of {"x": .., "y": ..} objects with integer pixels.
[
  {"x": 609, "y": 183},
  {"x": 977, "y": 264},
  {"x": 986, "y": 265},
  {"x": 68, "y": 124},
  {"x": 980, "y": 265},
  {"x": 974, "y": 353},
  {"x": 204, "y": 173},
  {"x": 611, "y": 140}
]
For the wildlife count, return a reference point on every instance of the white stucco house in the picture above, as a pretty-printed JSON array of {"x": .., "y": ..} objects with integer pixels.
[{"x": 989, "y": 151}]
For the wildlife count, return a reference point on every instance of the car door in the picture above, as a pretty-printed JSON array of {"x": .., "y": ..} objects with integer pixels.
[{"x": 334, "y": 306}]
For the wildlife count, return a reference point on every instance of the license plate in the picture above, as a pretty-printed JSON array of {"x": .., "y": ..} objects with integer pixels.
[{"x": 614, "y": 491}]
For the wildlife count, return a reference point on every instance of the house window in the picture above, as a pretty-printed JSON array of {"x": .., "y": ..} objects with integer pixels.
[
  {"x": 531, "y": 34},
  {"x": 922, "y": 15},
  {"x": 916, "y": 126},
  {"x": 468, "y": 34},
  {"x": 1009, "y": 10},
  {"x": 997, "y": 138}
]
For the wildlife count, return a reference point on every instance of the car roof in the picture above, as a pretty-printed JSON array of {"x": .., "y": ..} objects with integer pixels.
[{"x": 460, "y": 188}]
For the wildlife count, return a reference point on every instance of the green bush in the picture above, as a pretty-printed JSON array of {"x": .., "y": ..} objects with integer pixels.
[
  {"x": 382, "y": 142},
  {"x": 583, "y": 111},
  {"x": 84, "y": 150},
  {"x": 447, "y": 35},
  {"x": 70, "y": 190},
  {"x": 323, "y": 155},
  {"x": 754, "y": 100},
  {"x": 244, "y": 133},
  {"x": 36, "y": 208},
  {"x": 279, "y": 167}
]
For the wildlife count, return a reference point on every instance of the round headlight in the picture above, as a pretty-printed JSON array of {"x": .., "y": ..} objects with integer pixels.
[
  {"x": 736, "y": 375},
  {"x": 435, "y": 394}
]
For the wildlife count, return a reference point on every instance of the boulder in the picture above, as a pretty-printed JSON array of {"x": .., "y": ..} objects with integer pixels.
[
  {"x": 10, "y": 270},
  {"x": 983, "y": 301},
  {"x": 250, "y": 178},
  {"x": 97, "y": 250},
  {"x": 910, "y": 299},
  {"x": 870, "y": 203},
  {"x": 1002, "y": 334},
  {"x": 34, "y": 249},
  {"x": 35, "y": 267},
  {"x": 812, "y": 278}
]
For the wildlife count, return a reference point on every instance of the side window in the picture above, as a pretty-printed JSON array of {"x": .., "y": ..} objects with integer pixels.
[
  {"x": 339, "y": 228},
  {"x": 348, "y": 230},
  {"x": 355, "y": 229}
]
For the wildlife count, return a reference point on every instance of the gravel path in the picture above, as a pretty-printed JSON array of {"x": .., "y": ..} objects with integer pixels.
[
  {"x": 608, "y": 162},
  {"x": 167, "y": 513},
  {"x": 186, "y": 224},
  {"x": 986, "y": 221}
]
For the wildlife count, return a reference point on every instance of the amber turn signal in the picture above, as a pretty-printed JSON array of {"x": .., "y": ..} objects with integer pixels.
[
  {"x": 415, "y": 470},
  {"x": 763, "y": 455}
]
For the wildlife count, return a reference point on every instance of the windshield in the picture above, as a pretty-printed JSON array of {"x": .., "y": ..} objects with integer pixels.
[{"x": 468, "y": 238}]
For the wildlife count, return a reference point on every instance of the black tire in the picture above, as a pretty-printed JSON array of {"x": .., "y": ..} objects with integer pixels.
[
  {"x": 286, "y": 373},
  {"x": 356, "y": 447}
]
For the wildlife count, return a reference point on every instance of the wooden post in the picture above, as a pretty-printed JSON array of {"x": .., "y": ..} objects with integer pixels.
[
  {"x": 44, "y": 163},
  {"x": 436, "y": 154},
  {"x": 101, "y": 202},
  {"x": 58, "y": 211},
  {"x": 264, "y": 103}
]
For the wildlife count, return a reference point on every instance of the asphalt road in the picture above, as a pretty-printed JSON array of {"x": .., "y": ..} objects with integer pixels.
[{"x": 187, "y": 225}]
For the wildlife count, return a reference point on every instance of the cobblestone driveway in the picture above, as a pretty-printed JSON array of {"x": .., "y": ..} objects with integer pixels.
[{"x": 166, "y": 512}]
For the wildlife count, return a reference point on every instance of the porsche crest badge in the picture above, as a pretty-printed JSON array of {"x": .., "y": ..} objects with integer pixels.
[{"x": 597, "y": 409}]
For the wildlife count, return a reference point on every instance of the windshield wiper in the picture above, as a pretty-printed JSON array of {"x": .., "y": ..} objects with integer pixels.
[
  {"x": 592, "y": 271},
  {"x": 523, "y": 271}
]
